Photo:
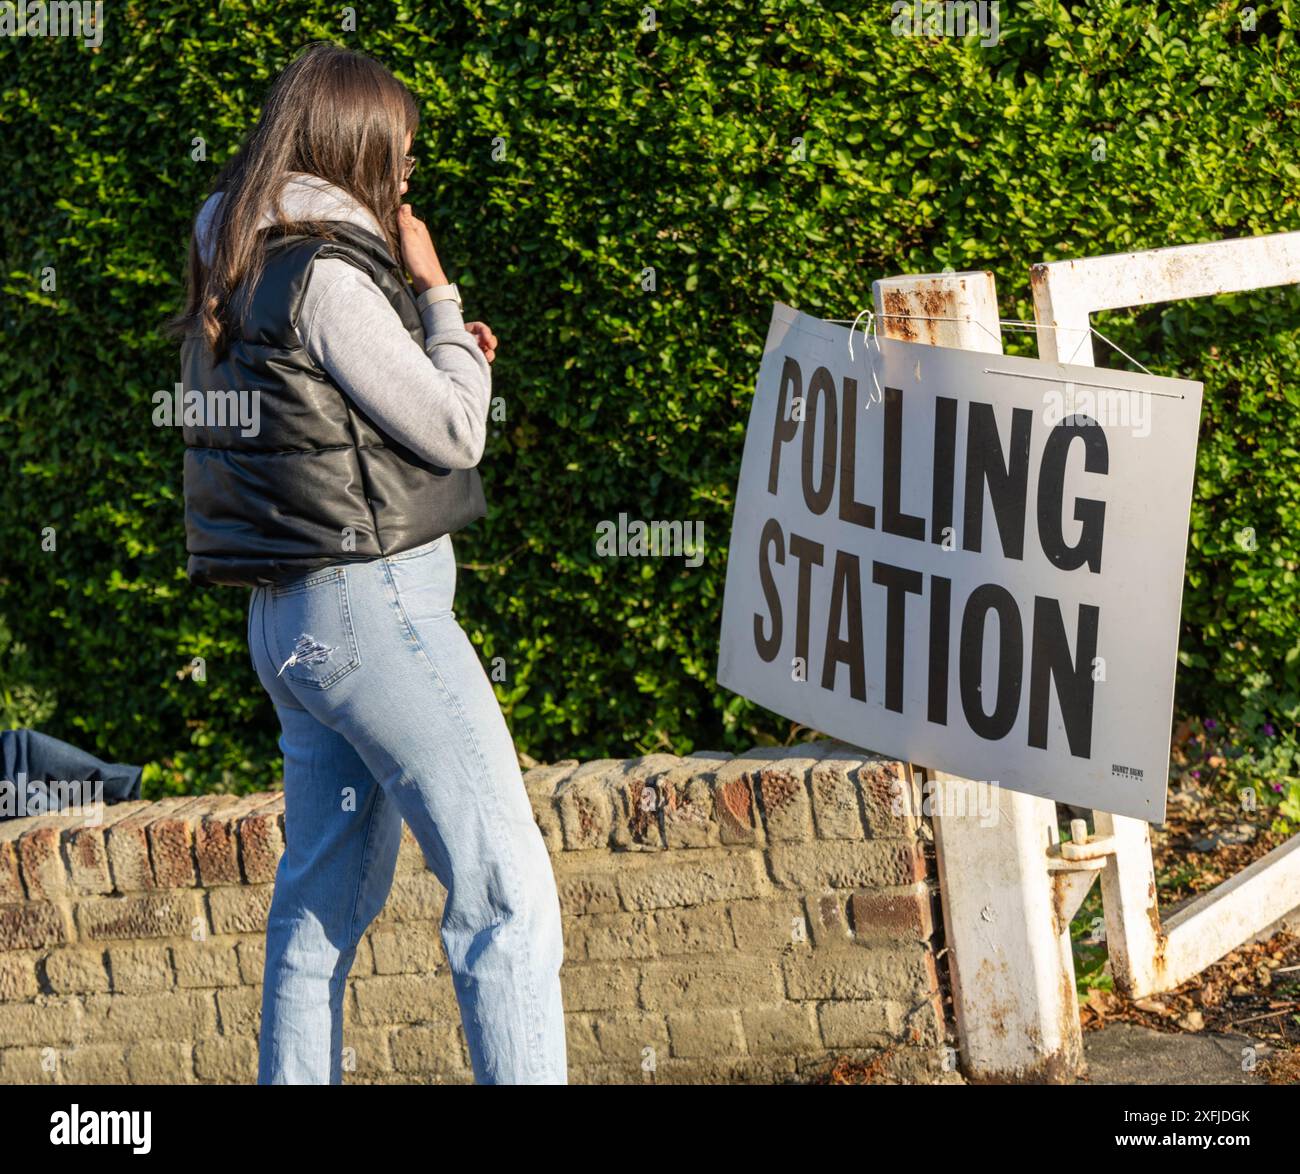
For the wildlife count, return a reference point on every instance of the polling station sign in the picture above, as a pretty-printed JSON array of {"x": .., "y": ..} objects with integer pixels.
[{"x": 969, "y": 561}]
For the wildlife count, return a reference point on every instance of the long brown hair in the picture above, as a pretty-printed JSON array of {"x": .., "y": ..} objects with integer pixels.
[{"x": 331, "y": 113}]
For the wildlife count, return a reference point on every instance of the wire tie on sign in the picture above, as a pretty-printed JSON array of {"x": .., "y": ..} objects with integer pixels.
[
  {"x": 880, "y": 395},
  {"x": 872, "y": 318},
  {"x": 1082, "y": 383}
]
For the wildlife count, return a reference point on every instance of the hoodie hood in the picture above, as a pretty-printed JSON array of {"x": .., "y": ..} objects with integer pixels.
[{"x": 303, "y": 197}]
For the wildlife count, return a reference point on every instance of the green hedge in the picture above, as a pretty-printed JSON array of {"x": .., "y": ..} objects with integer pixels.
[{"x": 625, "y": 148}]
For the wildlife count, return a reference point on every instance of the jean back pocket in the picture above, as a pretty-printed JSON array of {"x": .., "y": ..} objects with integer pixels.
[{"x": 312, "y": 635}]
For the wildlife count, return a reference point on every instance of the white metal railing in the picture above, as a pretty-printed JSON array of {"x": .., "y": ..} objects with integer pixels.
[{"x": 1144, "y": 956}]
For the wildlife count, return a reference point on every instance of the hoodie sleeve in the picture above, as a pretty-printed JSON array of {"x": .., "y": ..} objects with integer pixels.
[{"x": 432, "y": 399}]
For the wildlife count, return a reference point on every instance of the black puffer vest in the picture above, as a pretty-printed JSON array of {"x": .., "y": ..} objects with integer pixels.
[{"x": 320, "y": 483}]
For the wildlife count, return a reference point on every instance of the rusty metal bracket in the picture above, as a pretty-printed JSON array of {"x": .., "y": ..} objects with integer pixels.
[
  {"x": 1080, "y": 849},
  {"x": 1073, "y": 867}
]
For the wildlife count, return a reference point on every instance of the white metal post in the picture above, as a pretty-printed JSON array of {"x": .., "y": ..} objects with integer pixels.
[{"x": 1008, "y": 938}]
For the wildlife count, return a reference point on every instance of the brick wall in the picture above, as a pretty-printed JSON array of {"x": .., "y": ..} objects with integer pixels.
[{"x": 746, "y": 919}]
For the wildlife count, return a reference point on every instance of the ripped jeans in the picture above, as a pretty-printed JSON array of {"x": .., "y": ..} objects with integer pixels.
[{"x": 387, "y": 715}]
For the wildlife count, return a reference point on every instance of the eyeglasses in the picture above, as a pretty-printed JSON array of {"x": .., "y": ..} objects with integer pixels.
[{"x": 408, "y": 165}]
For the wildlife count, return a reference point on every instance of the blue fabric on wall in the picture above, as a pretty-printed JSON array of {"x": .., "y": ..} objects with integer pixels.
[{"x": 41, "y": 759}]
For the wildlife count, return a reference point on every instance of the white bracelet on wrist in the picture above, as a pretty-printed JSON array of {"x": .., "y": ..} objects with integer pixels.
[{"x": 443, "y": 293}]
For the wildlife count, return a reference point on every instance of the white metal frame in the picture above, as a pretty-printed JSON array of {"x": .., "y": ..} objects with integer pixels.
[
  {"x": 1010, "y": 889},
  {"x": 1145, "y": 956}
]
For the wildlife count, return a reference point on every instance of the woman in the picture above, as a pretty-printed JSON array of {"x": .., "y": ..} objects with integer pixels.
[{"x": 337, "y": 511}]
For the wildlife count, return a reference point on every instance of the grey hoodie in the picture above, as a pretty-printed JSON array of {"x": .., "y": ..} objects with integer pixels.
[{"x": 432, "y": 400}]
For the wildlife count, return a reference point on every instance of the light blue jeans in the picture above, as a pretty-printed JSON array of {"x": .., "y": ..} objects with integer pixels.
[{"x": 387, "y": 715}]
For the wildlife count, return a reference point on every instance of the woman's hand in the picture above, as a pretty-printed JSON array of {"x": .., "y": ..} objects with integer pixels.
[
  {"x": 487, "y": 341},
  {"x": 418, "y": 253}
]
